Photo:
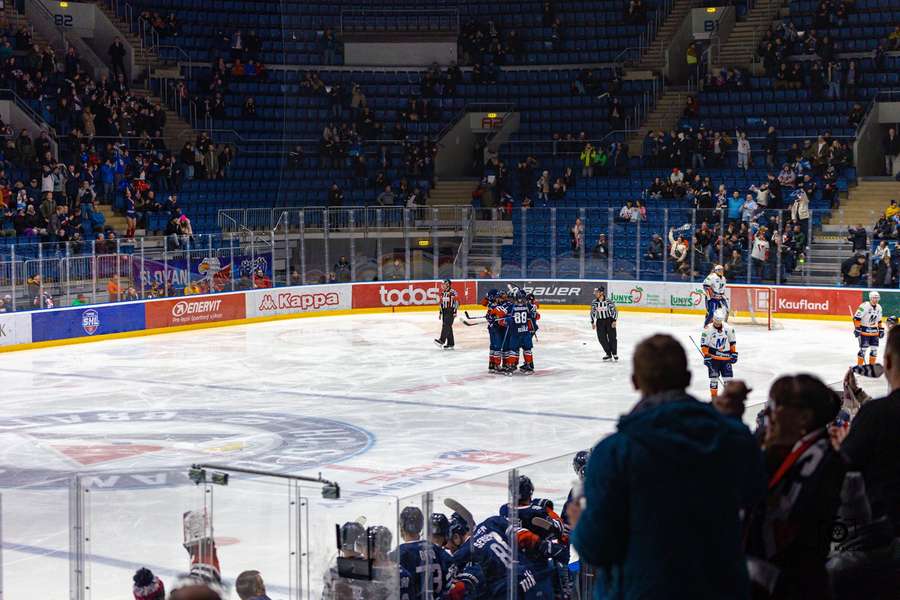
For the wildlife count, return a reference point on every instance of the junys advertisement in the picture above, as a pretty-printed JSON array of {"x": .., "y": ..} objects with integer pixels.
[
  {"x": 642, "y": 294},
  {"x": 578, "y": 292}
]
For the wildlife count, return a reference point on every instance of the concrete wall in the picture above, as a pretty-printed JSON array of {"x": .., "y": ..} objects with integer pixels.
[
  {"x": 53, "y": 26},
  {"x": 676, "y": 69},
  {"x": 104, "y": 34},
  {"x": 406, "y": 54}
]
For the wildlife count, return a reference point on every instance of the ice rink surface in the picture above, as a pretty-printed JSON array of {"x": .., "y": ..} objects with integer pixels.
[{"x": 367, "y": 400}]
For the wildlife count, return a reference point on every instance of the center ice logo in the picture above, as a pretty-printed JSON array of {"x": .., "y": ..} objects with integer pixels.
[
  {"x": 90, "y": 321},
  {"x": 140, "y": 449}
]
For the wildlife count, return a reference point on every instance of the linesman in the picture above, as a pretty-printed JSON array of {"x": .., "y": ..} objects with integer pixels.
[
  {"x": 603, "y": 319},
  {"x": 448, "y": 304}
]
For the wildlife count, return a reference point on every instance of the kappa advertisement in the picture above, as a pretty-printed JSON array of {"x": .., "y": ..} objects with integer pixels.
[
  {"x": 86, "y": 322},
  {"x": 547, "y": 292},
  {"x": 285, "y": 301},
  {"x": 412, "y": 293},
  {"x": 644, "y": 294},
  {"x": 193, "y": 310}
]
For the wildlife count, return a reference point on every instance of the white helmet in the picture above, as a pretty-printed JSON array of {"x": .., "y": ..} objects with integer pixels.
[
  {"x": 718, "y": 268},
  {"x": 874, "y": 296},
  {"x": 720, "y": 315}
]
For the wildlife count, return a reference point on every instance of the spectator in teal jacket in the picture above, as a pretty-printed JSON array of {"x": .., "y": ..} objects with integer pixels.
[{"x": 663, "y": 494}]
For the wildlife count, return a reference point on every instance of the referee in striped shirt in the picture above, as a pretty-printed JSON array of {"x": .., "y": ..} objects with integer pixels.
[{"x": 603, "y": 320}]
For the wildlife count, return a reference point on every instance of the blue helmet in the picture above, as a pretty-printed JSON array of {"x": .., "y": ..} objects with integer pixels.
[
  {"x": 458, "y": 525},
  {"x": 492, "y": 295},
  {"x": 521, "y": 297},
  {"x": 412, "y": 520},
  {"x": 440, "y": 525}
]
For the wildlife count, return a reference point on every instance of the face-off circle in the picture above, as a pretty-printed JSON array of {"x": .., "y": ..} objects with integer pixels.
[{"x": 141, "y": 449}]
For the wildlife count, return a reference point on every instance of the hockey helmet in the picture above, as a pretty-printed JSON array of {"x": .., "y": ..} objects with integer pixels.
[
  {"x": 526, "y": 488},
  {"x": 892, "y": 320},
  {"x": 351, "y": 531},
  {"x": 580, "y": 462},
  {"x": 521, "y": 297},
  {"x": 448, "y": 282},
  {"x": 718, "y": 269},
  {"x": 492, "y": 295},
  {"x": 458, "y": 525},
  {"x": 530, "y": 297},
  {"x": 440, "y": 525},
  {"x": 720, "y": 315},
  {"x": 412, "y": 520},
  {"x": 874, "y": 296},
  {"x": 378, "y": 538}
]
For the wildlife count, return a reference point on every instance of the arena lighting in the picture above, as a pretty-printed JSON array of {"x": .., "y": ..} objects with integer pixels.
[
  {"x": 711, "y": 9},
  {"x": 424, "y": 243},
  {"x": 492, "y": 115},
  {"x": 64, "y": 5}
]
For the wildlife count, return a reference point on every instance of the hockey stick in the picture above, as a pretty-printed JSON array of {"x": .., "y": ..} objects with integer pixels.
[
  {"x": 468, "y": 316},
  {"x": 461, "y": 511},
  {"x": 469, "y": 323}
]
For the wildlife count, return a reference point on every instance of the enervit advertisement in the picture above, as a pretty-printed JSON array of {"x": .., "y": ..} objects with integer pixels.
[
  {"x": 86, "y": 321},
  {"x": 578, "y": 292},
  {"x": 411, "y": 293},
  {"x": 285, "y": 301},
  {"x": 812, "y": 301},
  {"x": 15, "y": 329},
  {"x": 647, "y": 294},
  {"x": 194, "y": 310}
]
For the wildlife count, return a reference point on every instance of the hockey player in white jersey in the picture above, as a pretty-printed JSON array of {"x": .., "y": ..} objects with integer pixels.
[
  {"x": 717, "y": 343},
  {"x": 714, "y": 286},
  {"x": 868, "y": 328}
]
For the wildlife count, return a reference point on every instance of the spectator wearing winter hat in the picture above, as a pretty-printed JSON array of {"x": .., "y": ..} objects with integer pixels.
[{"x": 148, "y": 586}]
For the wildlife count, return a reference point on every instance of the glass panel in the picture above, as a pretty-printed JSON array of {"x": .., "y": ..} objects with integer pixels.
[{"x": 35, "y": 540}]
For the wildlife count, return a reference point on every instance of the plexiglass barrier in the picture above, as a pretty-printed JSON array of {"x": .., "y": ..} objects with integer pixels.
[{"x": 503, "y": 533}]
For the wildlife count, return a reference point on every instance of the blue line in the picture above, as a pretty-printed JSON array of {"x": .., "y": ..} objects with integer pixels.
[
  {"x": 232, "y": 388},
  {"x": 118, "y": 563}
]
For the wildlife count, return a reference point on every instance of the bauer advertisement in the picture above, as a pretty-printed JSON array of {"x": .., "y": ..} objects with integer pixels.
[
  {"x": 548, "y": 292},
  {"x": 411, "y": 293}
]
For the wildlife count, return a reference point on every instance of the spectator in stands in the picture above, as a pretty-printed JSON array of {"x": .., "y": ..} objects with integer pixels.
[
  {"x": 395, "y": 270},
  {"x": 854, "y": 270},
  {"x": 147, "y": 586},
  {"x": 743, "y": 150},
  {"x": 342, "y": 269},
  {"x": 249, "y": 109},
  {"x": 788, "y": 537},
  {"x": 655, "y": 248},
  {"x": 613, "y": 532},
  {"x": 770, "y": 146},
  {"x": 891, "y": 148},
  {"x": 576, "y": 236},
  {"x": 679, "y": 251},
  {"x": 601, "y": 248},
  {"x": 587, "y": 158},
  {"x": 261, "y": 280},
  {"x": 543, "y": 188},
  {"x": 894, "y": 38},
  {"x": 386, "y": 197},
  {"x": 117, "y": 53},
  {"x": 856, "y": 116},
  {"x": 858, "y": 237},
  {"x": 335, "y": 196},
  {"x": 759, "y": 253},
  {"x": 881, "y": 265},
  {"x": 800, "y": 208}
]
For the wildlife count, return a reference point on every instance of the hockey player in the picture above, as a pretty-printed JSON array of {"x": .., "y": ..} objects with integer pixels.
[
  {"x": 426, "y": 560},
  {"x": 719, "y": 350},
  {"x": 495, "y": 332},
  {"x": 440, "y": 530},
  {"x": 868, "y": 328},
  {"x": 520, "y": 323},
  {"x": 459, "y": 532},
  {"x": 350, "y": 534},
  {"x": 714, "y": 286},
  {"x": 448, "y": 307}
]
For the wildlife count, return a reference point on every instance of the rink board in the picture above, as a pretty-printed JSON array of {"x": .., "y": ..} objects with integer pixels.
[{"x": 19, "y": 331}]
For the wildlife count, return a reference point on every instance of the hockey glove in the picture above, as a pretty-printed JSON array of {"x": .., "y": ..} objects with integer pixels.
[
  {"x": 880, "y": 332},
  {"x": 552, "y": 550},
  {"x": 856, "y": 332},
  {"x": 708, "y": 361},
  {"x": 734, "y": 356}
]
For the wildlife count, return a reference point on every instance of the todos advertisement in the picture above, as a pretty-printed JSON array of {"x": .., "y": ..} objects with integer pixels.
[
  {"x": 576, "y": 292},
  {"x": 194, "y": 310},
  {"x": 411, "y": 293},
  {"x": 285, "y": 301},
  {"x": 86, "y": 321}
]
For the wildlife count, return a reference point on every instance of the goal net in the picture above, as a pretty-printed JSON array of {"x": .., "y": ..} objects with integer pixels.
[{"x": 752, "y": 305}]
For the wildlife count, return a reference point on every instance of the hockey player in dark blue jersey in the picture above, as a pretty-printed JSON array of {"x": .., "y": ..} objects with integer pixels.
[
  {"x": 426, "y": 562},
  {"x": 495, "y": 331},
  {"x": 520, "y": 330},
  {"x": 389, "y": 581}
]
